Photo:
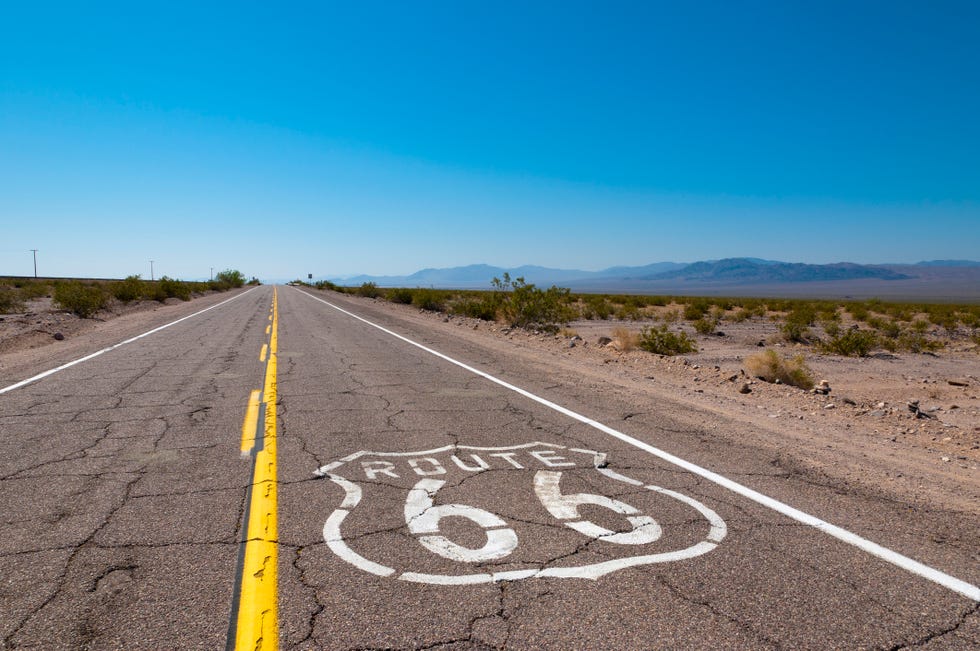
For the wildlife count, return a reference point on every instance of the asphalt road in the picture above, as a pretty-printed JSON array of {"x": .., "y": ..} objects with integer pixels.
[{"x": 394, "y": 498}]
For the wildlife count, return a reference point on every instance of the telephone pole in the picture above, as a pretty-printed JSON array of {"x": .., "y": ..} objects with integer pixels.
[
  {"x": 35, "y": 262},
  {"x": 151, "y": 269}
]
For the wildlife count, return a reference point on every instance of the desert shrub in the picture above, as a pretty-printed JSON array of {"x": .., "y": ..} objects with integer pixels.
[
  {"x": 368, "y": 290},
  {"x": 900, "y": 311},
  {"x": 828, "y": 313},
  {"x": 796, "y": 327},
  {"x": 662, "y": 341},
  {"x": 475, "y": 308},
  {"x": 695, "y": 310},
  {"x": 657, "y": 301},
  {"x": 231, "y": 277},
  {"x": 427, "y": 299},
  {"x": 326, "y": 284},
  {"x": 705, "y": 325},
  {"x": 780, "y": 304},
  {"x": 913, "y": 342},
  {"x": 254, "y": 281},
  {"x": 754, "y": 307},
  {"x": 831, "y": 327},
  {"x": 34, "y": 290},
  {"x": 919, "y": 326},
  {"x": 217, "y": 286},
  {"x": 171, "y": 288},
  {"x": 770, "y": 366},
  {"x": 626, "y": 339},
  {"x": 886, "y": 327},
  {"x": 629, "y": 311},
  {"x": 10, "y": 301},
  {"x": 596, "y": 307},
  {"x": 740, "y": 315},
  {"x": 130, "y": 289},
  {"x": 82, "y": 300},
  {"x": 525, "y": 305},
  {"x": 401, "y": 295},
  {"x": 851, "y": 343},
  {"x": 858, "y": 311},
  {"x": 671, "y": 316}
]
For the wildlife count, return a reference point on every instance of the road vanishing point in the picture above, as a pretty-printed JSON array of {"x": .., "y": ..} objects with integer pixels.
[{"x": 295, "y": 469}]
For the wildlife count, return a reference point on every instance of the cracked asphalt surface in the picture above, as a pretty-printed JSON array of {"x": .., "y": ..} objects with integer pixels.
[{"x": 123, "y": 494}]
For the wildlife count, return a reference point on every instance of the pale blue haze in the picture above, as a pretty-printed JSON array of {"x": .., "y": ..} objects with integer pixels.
[{"x": 380, "y": 138}]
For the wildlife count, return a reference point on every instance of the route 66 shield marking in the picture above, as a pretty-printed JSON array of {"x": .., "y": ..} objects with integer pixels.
[{"x": 424, "y": 473}]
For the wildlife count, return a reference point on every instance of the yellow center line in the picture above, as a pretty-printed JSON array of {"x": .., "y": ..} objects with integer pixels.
[
  {"x": 257, "y": 625},
  {"x": 263, "y": 352},
  {"x": 251, "y": 422}
]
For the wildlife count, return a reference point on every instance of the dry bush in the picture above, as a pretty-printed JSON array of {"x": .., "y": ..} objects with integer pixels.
[
  {"x": 627, "y": 340},
  {"x": 769, "y": 366},
  {"x": 661, "y": 341}
]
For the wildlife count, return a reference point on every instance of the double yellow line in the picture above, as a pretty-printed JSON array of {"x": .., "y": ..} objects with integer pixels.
[{"x": 255, "y": 615}]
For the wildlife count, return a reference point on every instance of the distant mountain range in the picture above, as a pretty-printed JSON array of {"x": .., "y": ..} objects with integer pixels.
[
  {"x": 938, "y": 279},
  {"x": 478, "y": 276},
  {"x": 728, "y": 270},
  {"x": 743, "y": 270}
]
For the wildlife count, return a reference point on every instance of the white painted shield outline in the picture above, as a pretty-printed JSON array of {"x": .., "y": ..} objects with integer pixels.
[{"x": 353, "y": 494}]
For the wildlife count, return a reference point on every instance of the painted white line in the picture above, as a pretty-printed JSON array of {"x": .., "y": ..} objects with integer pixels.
[
  {"x": 52, "y": 371},
  {"x": 957, "y": 585}
]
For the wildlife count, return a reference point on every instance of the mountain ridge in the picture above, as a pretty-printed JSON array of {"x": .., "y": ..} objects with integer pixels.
[{"x": 957, "y": 281}]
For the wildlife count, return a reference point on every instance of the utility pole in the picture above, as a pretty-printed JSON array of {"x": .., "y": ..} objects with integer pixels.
[
  {"x": 35, "y": 262},
  {"x": 151, "y": 269},
  {"x": 212, "y": 273}
]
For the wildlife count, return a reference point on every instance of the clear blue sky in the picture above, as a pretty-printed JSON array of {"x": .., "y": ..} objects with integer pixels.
[{"x": 338, "y": 138}]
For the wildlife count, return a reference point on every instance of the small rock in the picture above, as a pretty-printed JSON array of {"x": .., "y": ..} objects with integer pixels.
[
  {"x": 719, "y": 334},
  {"x": 732, "y": 378},
  {"x": 571, "y": 344},
  {"x": 830, "y": 405},
  {"x": 880, "y": 405},
  {"x": 877, "y": 413},
  {"x": 604, "y": 341},
  {"x": 59, "y": 337},
  {"x": 913, "y": 406},
  {"x": 745, "y": 388},
  {"x": 445, "y": 319},
  {"x": 848, "y": 401},
  {"x": 945, "y": 459},
  {"x": 761, "y": 344},
  {"x": 576, "y": 338},
  {"x": 958, "y": 383}
]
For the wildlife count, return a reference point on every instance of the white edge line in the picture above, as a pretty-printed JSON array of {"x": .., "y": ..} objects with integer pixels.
[
  {"x": 52, "y": 371},
  {"x": 915, "y": 567}
]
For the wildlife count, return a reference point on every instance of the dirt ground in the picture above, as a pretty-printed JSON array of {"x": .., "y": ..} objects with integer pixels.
[{"x": 862, "y": 433}]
